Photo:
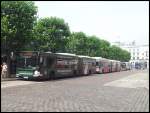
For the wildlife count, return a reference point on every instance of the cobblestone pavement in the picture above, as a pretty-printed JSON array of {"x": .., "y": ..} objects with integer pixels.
[
  {"x": 85, "y": 94},
  {"x": 134, "y": 81}
]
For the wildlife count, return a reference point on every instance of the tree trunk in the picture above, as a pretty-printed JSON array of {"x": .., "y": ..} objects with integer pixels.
[{"x": 8, "y": 65}]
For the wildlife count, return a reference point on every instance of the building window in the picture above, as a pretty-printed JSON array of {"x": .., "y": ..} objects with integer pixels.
[
  {"x": 137, "y": 53},
  {"x": 137, "y": 58},
  {"x": 133, "y": 58}
]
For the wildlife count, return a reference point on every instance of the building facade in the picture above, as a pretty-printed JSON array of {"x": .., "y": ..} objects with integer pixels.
[{"x": 139, "y": 53}]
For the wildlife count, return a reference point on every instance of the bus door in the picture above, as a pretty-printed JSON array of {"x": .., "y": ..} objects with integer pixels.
[
  {"x": 85, "y": 69},
  {"x": 111, "y": 66},
  {"x": 101, "y": 66},
  {"x": 97, "y": 66},
  {"x": 46, "y": 64}
]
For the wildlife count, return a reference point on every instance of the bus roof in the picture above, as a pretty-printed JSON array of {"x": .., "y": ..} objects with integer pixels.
[
  {"x": 81, "y": 56},
  {"x": 27, "y": 51},
  {"x": 97, "y": 57},
  {"x": 101, "y": 59},
  {"x": 68, "y": 54},
  {"x": 115, "y": 60},
  {"x": 48, "y": 52}
]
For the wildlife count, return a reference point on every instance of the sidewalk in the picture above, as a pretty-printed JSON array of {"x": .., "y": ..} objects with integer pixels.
[{"x": 8, "y": 79}]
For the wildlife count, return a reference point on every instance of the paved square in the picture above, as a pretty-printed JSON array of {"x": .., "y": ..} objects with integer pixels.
[{"x": 99, "y": 92}]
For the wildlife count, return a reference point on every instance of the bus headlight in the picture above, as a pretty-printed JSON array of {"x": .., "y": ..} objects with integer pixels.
[{"x": 36, "y": 73}]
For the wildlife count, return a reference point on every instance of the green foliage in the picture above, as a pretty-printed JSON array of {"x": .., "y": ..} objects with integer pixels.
[
  {"x": 6, "y": 32},
  {"x": 93, "y": 46},
  {"x": 77, "y": 43},
  {"x": 51, "y": 34},
  {"x": 117, "y": 53},
  {"x": 17, "y": 20},
  {"x": 81, "y": 44},
  {"x": 104, "y": 48}
]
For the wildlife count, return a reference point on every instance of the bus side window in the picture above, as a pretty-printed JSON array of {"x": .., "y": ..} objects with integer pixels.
[
  {"x": 44, "y": 63},
  {"x": 96, "y": 63},
  {"x": 67, "y": 63}
]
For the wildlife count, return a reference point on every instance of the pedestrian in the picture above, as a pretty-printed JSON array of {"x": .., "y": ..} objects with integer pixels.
[{"x": 4, "y": 70}]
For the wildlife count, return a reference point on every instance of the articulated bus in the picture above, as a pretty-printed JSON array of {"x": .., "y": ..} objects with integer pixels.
[
  {"x": 113, "y": 66},
  {"x": 86, "y": 65},
  {"x": 45, "y": 65},
  {"x": 103, "y": 65},
  {"x": 98, "y": 66},
  {"x": 118, "y": 66}
]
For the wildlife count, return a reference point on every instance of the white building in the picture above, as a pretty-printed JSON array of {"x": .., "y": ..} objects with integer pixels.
[{"x": 139, "y": 53}]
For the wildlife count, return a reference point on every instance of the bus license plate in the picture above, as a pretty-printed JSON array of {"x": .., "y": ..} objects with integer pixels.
[{"x": 25, "y": 77}]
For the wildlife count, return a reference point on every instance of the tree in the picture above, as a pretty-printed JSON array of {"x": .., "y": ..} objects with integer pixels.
[
  {"x": 104, "y": 48},
  {"x": 51, "y": 34},
  {"x": 117, "y": 53},
  {"x": 6, "y": 33},
  {"x": 17, "y": 20},
  {"x": 93, "y": 46},
  {"x": 77, "y": 43},
  {"x": 20, "y": 16}
]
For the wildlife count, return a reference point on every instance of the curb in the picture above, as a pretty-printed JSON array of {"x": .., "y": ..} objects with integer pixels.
[{"x": 8, "y": 79}]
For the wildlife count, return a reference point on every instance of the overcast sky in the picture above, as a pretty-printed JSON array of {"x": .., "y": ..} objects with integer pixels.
[{"x": 123, "y": 21}]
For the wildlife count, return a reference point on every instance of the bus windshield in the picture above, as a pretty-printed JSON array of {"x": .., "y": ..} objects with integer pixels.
[{"x": 26, "y": 61}]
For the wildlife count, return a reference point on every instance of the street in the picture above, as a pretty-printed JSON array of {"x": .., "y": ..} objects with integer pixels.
[{"x": 125, "y": 91}]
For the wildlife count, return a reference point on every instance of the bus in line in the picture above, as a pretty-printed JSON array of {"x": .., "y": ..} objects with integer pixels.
[{"x": 47, "y": 65}]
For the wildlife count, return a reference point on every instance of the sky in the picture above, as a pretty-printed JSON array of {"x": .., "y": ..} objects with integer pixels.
[{"x": 123, "y": 21}]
